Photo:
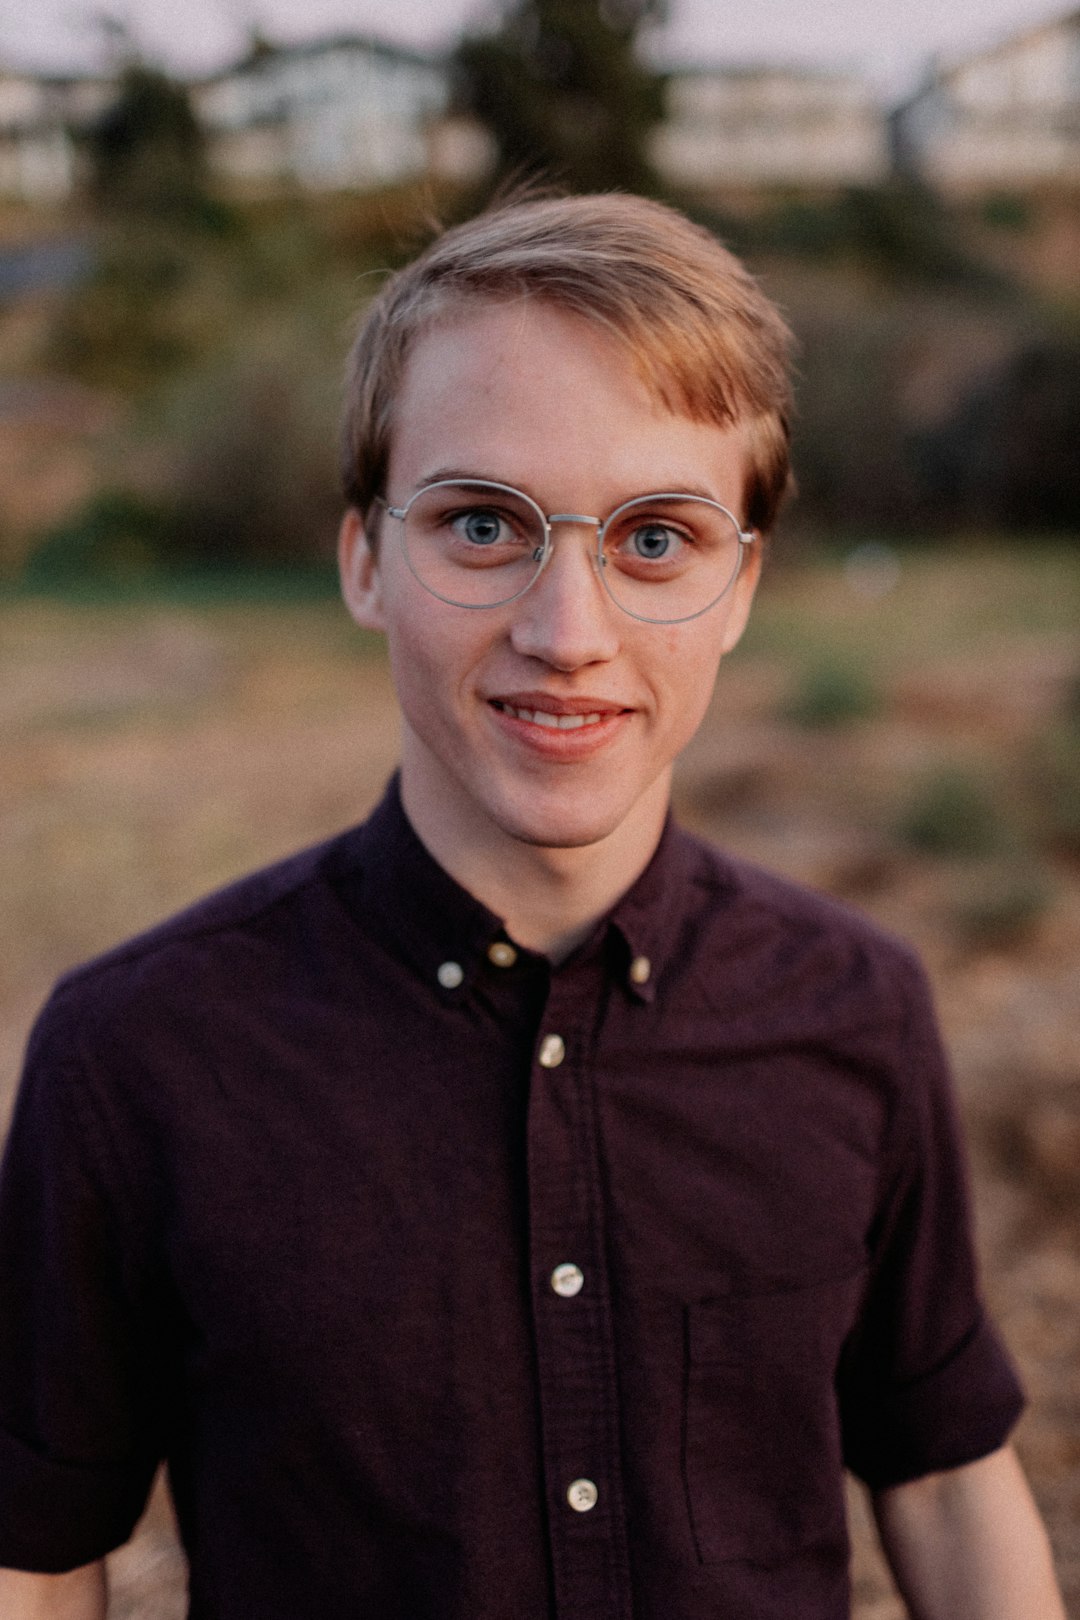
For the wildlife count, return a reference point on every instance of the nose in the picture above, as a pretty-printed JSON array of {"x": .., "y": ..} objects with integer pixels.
[{"x": 566, "y": 618}]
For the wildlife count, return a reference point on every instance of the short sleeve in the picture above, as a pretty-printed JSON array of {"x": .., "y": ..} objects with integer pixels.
[
  {"x": 80, "y": 1434},
  {"x": 926, "y": 1383}
]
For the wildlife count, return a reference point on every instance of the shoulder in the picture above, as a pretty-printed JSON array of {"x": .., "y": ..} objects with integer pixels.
[
  {"x": 750, "y": 902},
  {"x": 228, "y": 937},
  {"x": 787, "y": 953}
]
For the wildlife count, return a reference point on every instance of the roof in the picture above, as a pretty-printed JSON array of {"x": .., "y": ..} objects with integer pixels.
[
  {"x": 943, "y": 74},
  {"x": 264, "y": 52}
]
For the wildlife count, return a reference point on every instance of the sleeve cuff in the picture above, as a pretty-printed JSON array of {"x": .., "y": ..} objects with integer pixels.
[
  {"x": 963, "y": 1410},
  {"x": 56, "y": 1516}
]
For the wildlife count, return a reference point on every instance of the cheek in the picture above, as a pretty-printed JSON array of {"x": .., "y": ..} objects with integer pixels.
[
  {"x": 689, "y": 665},
  {"x": 432, "y": 658}
]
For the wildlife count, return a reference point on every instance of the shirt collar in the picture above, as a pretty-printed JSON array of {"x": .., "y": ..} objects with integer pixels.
[
  {"x": 645, "y": 923},
  {"x": 435, "y": 924}
]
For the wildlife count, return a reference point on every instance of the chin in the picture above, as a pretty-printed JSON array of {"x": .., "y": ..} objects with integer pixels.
[
  {"x": 559, "y": 826},
  {"x": 557, "y": 838}
]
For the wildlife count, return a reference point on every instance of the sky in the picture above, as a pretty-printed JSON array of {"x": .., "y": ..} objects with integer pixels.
[{"x": 888, "y": 41}]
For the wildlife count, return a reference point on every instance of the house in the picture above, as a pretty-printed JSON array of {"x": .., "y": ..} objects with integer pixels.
[
  {"x": 332, "y": 113},
  {"x": 1007, "y": 116},
  {"x": 768, "y": 125},
  {"x": 41, "y": 118}
]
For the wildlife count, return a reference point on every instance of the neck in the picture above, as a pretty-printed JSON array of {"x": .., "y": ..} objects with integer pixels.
[{"x": 549, "y": 898}]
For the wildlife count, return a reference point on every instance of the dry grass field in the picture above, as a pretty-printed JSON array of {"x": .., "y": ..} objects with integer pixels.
[{"x": 910, "y": 743}]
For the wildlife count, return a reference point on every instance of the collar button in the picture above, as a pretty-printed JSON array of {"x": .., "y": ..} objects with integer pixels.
[{"x": 640, "y": 970}]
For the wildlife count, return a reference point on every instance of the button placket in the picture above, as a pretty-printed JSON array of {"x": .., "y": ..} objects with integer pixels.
[{"x": 574, "y": 1333}]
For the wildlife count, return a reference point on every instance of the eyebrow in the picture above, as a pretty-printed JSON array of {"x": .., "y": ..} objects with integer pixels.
[{"x": 459, "y": 475}]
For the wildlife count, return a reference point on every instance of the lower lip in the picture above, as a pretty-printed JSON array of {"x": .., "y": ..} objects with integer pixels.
[{"x": 552, "y": 742}]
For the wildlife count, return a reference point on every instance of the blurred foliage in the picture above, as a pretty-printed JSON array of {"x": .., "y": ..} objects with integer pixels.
[
  {"x": 1059, "y": 774},
  {"x": 152, "y": 303},
  {"x": 147, "y": 152},
  {"x": 900, "y": 231},
  {"x": 1054, "y": 777},
  {"x": 953, "y": 812},
  {"x": 1007, "y": 211},
  {"x": 254, "y": 467},
  {"x": 228, "y": 349},
  {"x": 935, "y": 396},
  {"x": 116, "y": 537},
  {"x": 1009, "y": 456},
  {"x": 230, "y": 463},
  {"x": 563, "y": 93},
  {"x": 924, "y": 413},
  {"x": 161, "y": 240},
  {"x": 936, "y": 393},
  {"x": 997, "y": 906},
  {"x": 831, "y": 694}
]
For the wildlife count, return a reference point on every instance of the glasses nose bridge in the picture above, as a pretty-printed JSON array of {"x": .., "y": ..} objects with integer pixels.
[
  {"x": 575, "y": 517},
  {"x": 585, "y": 519}
]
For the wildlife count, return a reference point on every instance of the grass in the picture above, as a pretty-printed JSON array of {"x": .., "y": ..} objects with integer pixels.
[
  {"x": 145, "y": 587},
  {"x": 947, "y": 599}
]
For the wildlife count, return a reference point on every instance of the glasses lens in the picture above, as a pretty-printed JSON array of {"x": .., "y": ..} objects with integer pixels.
[
  {"x": 474, "y": 544},
  {"x": 669, "y": 557}
]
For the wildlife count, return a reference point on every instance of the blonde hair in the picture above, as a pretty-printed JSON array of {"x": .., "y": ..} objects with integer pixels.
[{"x": 696, "y": 325}]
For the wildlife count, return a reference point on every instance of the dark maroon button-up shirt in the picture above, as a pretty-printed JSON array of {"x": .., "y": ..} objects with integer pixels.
[{"x": 288, "y": 1188}]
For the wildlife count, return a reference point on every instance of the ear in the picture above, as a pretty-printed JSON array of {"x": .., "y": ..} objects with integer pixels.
[
  {"x": 358, "y": 567},
  {"x": 742, "y": 596}
]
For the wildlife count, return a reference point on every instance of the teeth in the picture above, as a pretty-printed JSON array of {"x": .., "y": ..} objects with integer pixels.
[{"x": 554, "y": 722}]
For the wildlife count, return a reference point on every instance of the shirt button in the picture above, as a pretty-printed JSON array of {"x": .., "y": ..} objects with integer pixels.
[
  {"x": 450, "y": 975},
  {"x": 502, "y": 954},
  {"x": 582, "y": 1495},
  {"x": 640, "y": 970},
  {"x": 552, "y": 1051},
  {"x": 568, "y": 1280}
]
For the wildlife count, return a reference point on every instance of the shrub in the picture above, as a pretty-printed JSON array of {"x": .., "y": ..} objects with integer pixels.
[
  {"x": 1006, "y": 457},
  {"x": 952, "y": 812},
  {"x": 1055, "y": 779},
  {"x": 1001, "y": 905},
  {"x": 254, "y": 448},
  {"x": 115, "y": 538},
  {"x": 830, "y": 695},
  {"x": 1007, "y": 211}
]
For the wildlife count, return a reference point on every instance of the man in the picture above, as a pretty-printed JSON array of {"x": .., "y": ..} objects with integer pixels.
[{"x": 514, "y": 1208}]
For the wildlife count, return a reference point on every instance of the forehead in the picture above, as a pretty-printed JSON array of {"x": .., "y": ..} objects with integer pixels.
[{"x": 510, "y": 390}]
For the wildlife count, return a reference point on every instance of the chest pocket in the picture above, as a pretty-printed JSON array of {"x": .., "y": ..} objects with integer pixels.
[{"x": 762, "y": 1455}]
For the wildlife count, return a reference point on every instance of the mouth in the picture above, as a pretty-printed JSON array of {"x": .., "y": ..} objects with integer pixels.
[
  {"x": 558, "y": 728},
  {"x": 553, "y": 721}
]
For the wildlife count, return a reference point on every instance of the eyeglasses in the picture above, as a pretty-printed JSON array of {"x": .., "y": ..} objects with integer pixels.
[{"x": 662, "y": 558}]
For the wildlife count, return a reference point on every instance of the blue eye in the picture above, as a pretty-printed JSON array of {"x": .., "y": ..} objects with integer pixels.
[
  {"x": 481, "y": 527},
  {"x": 653, "y": 541}
]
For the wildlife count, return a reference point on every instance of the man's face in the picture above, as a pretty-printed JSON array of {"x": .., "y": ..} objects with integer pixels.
[{"x": 525, "y": 395}]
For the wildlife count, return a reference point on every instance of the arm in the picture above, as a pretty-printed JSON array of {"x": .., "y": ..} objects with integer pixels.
[
  {"x": 80, "y": 1595},
  {"x": 968, "y": 1544}
]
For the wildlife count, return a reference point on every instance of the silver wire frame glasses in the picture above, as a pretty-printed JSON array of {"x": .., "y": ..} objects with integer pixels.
[{"x": 662, "y": 558}]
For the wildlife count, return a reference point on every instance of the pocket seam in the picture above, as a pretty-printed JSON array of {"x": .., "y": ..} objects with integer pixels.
[{"x": 703, "y": 1364}]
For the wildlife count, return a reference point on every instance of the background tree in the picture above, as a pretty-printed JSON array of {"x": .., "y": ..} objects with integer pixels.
[
  {"x": 562, "y": 89},
  {"x": 147, "y": 152}
]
